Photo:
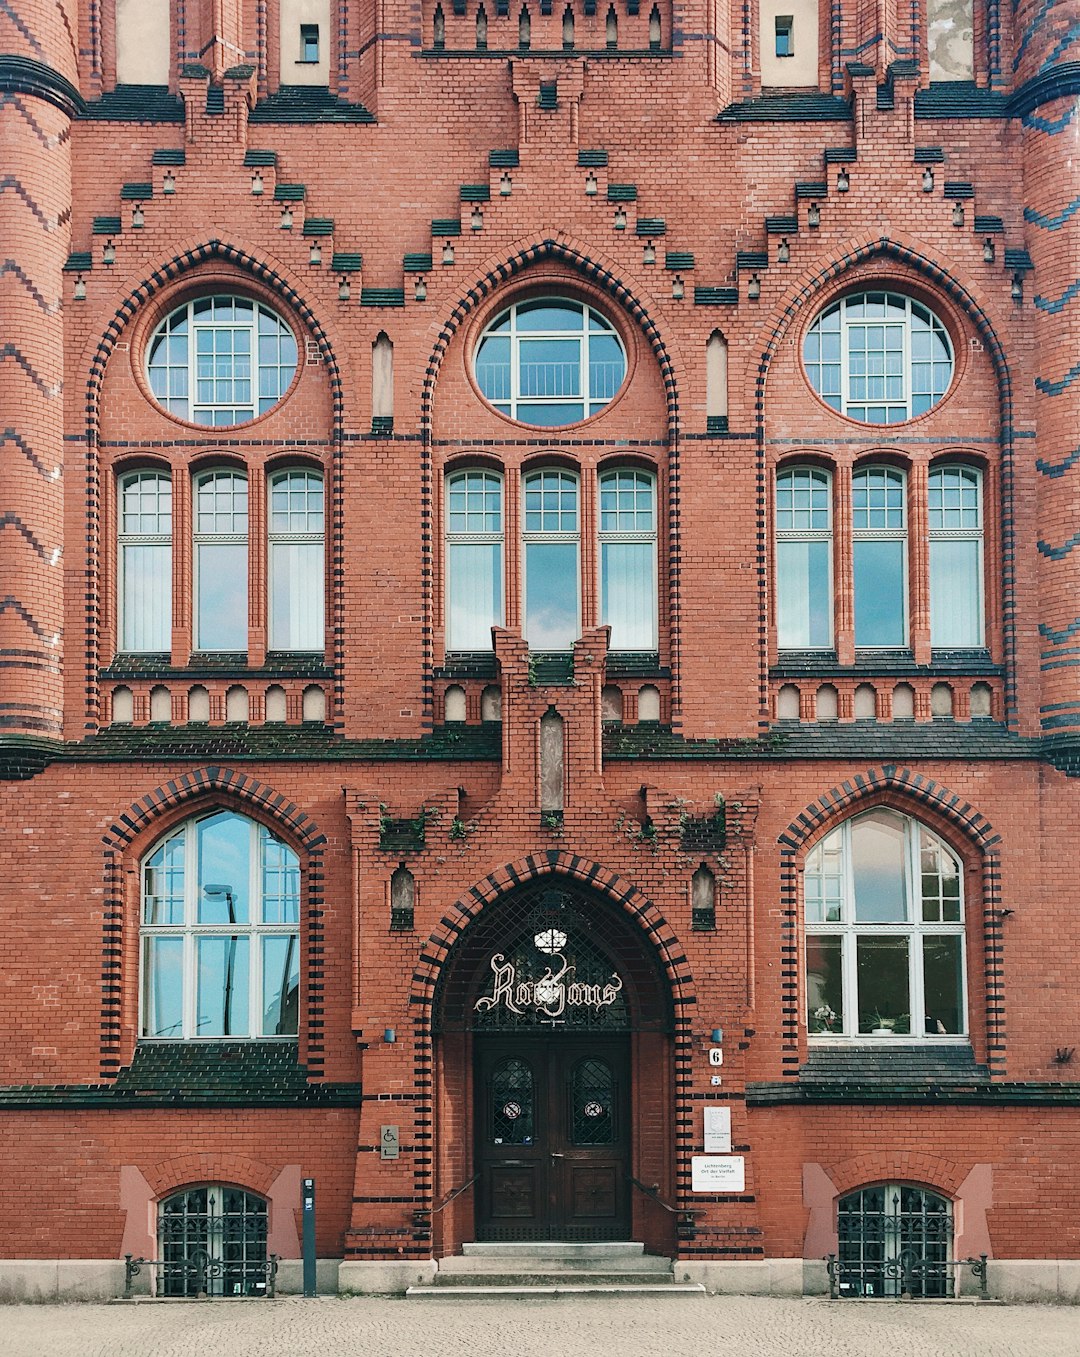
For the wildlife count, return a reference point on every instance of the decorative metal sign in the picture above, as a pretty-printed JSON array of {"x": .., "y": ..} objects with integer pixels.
[{"x": 553, "y": 993}]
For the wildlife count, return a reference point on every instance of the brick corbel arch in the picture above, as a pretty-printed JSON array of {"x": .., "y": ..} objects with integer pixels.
[
  {"x": 436, "y": 952},
  {"x": 910, "y": 792},
  {"x": 274, "y": 276},
  {"x": 165, "y": 804},
  {"x": 604, "y": 274},
  {"x": 942, "y": 276}
]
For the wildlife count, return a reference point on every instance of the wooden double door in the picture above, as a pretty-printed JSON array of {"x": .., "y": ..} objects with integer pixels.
[{"x": 553, "y": 1137}]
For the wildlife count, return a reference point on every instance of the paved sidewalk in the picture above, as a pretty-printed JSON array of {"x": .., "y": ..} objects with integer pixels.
[{"x": 715, "y": 1327}]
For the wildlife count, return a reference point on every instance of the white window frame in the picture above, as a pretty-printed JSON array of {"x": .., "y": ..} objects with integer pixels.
[
  {"x": 203, "y": 538},
  {"x": 809, "y": 534},
  {"x": 550, "y": 537},
  {"x": 622, "y": 535},
  {"x": 190, "y": 931},
  {"x": 495, "y": 538},
  {"x": 975, "y": 534},
  {"x": 883, "y": 534},
  {"x": 899, "y": 410},
  {"x": 914, "y": 929},
  {"x": 133, "y": 540},
  {"x": 590, "y": 406},
  {"x": 188, "y": 407},
  {"x": 291, "y": 537}
]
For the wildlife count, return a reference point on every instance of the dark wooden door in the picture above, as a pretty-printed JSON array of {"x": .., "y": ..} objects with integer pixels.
[{"x": 552, "y": 1137}]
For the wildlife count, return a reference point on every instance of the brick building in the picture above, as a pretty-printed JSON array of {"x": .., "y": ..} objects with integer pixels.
[{"x": 538, "y": 626}]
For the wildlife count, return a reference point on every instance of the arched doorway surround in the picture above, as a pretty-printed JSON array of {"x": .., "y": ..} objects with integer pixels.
[{"x": 552, "y": 1026}]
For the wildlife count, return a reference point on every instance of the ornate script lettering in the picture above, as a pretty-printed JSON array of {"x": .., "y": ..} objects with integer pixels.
[{"x": 552, "y": 994}]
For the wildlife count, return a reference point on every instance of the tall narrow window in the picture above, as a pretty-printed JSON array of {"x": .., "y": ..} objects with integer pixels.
[
  {"x": 221, "y": 932},
  {"x": 628, "y": 558},
  {"x": 221, "y": 561},
  {"x": 803, "y": 559},
  {"x": 884, "y": 932},
  {"x": 309, "y": 43},
  {"x": 474, "y": 554},
  {"x": 785, "y": 35},
  {"x": 551, "y": 538},
  {"x": 297, "y": 586},
  {"x": 956, "y": 608},
  {"x": 879, "y": 555},
  {"x": 145, "y": 563}
]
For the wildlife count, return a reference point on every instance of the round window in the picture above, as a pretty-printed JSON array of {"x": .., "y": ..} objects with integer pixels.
[
  {"x": 220, "y": 360},
  {"x": 878, "y": 357},
  {"x": 550, "y": 361}
]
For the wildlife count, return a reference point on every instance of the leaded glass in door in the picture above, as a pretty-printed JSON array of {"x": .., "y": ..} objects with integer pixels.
[
  {"x": 592, "y": 1104},
  {"x": 513, "y": 1100}
]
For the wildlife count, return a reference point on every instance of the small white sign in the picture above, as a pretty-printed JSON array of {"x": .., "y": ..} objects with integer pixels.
[
  {"x": 710, "y": 1173},
  {"x": 716, "y": 1055},
  {"x": 717, "y": 1130}
]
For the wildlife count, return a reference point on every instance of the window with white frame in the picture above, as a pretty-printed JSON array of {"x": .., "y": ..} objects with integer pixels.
[
  {"x": 884, "y": 918},
  {"x": 879, "y": 556},
  {"x": 221, "y": 360},
  {"x": 628, "y": 558},
  {"x": 221, "y": 561},
  {"x": 297, "y": 583},
  {"x": 474, "y": 558},
  {"x": 956, "y": 557},
  {"x": 220, "y": 932},
  {"x": 878, "y": 357},
  {"x": 145, "y": 562},
  {"x": 804, "y": 559},
  {"x": 550, "y": 361},
  {"x": 551, "y": 539}
]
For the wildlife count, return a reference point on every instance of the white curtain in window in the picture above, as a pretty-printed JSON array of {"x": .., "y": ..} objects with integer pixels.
[
  {"x": 147, "y": 598},
  {"x": 802, "y": 594},
  {"x": 296, "y": 596},
  {"x": 955, "y": 593},
  {"x": 628, "y": 603},
  {"x": 475, "y": 591}
]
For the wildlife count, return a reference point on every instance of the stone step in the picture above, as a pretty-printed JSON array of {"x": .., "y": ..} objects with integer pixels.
[
  {"x": 558, "y": 1249},
  {"x": 575, "y": 1289},
  {"x": 557, "y": 1277},
  {"x": 540, "y": 1262}
]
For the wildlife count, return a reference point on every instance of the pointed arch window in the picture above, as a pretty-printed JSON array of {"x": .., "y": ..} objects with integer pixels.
[
  {"x": 885, "y": 932},
  {"x": 220, "y": 932}
]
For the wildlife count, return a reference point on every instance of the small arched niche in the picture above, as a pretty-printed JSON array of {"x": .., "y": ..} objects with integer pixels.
[
  {"x": 236, "y": 704},
  {"x": 454, "y": 703},
  {"x": 787, "y": 703},
  {"x": 552, "y": 758},
  {"x": 382, "y": 384},
  {"x": 982, "y": 701},
  {"x": 703, "y": 900},
  {"x": 865, "y": 704},
  {"x": 648, "y": 703},
  {"x": 160, "y": 704},
  {"x": 827, "y": 704},
  {"x": 611, "y": 704},
  {"x": 716, "y": 383},
  {"x": 402, "y": 900},
  {"x": 941, "y": 700},
  {"x": 903, "y": 702},
  {"x": 491, "y": 703},
  {"x": 314, "y": 705},
  {"x": 123, "y": 706},
  {"x": 276, "y": 707}
]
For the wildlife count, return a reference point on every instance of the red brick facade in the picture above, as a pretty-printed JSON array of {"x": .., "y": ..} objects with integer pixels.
[{"x": 434, "y": 182}]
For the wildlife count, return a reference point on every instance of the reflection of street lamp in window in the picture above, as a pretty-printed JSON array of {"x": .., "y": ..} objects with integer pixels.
[{"x": 213, "y": 892}]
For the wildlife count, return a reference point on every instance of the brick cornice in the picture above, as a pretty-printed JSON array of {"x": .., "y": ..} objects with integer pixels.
[{"x": 22, "y": 75}]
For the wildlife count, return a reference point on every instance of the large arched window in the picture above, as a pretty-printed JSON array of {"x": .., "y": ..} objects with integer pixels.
[
  {"x": 220, "y": 932},
  {"x": 212, "y": 1242},
  {"x": 220, "y": 360},
  {"x": 884, "y": 932},
  {"x": 894, "y": 1240},
  {"x": 878, "y": 357},
  {"x": 550, "y": 361}
]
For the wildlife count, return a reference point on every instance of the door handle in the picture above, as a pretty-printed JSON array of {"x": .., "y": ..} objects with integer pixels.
[{"x": 555, "y": 1155}]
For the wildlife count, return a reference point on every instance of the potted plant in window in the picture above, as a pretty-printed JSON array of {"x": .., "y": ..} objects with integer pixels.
[
  {"x": 881, "y": 1025},
  {"x": 825, "y": 1019}
]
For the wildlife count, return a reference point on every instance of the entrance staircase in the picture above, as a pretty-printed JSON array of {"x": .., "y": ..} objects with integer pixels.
[{"x": 498, "y": 1271}]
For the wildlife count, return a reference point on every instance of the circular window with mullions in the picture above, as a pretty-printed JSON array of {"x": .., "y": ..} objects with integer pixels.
[
  {"x": 221, "y": 360},
  {"x": 550, "y": 361},
  {"x": 878, "y": 357}
]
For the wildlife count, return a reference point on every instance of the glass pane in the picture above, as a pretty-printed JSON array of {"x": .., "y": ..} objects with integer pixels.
[
  {"x": 626, "y": 502},
  {"x": 493, "y": 369},
  {"x": 296, "y": 503},
  {"x": 221, "y": 988},
  {"x": 551, "y": 502},
  {"x": 147, "y": 598},
  {"x": 163, "y": 987},
  {"x": 297, "y": 596},
  {"x": 549, "y": 367},
  {"x": 824, "y": 984},
  {"x": 955, "y": 593},
  {"x": 824, "y": 881},
  {"x": 281, "y": 986},
  {"x": 223, "y": 595},
  {"x": 592, "y": 1096},
  {"x": 475, "y": 503},
  {"x": 548, "y": 315},
  {"x": 551, "y": 595},
  {"x": 803, "y": 595},
  {"x": 223, "y": 845},
  {"x": 607, "y": 366},
  {"x": 475, "y": 595},
  {"x": 628, "y": 594},
  {"x": 878, "y": 868},
  {"x": 940, "y": 881},
  {"x": 163, "y": 883},
  {"x": 879, "y": 593},
  {"x": 943, "y": 984},
  {"x": 884, "y": 985},
  {"x": 281, "y": 881},
  {"x": 548, "y": 416},
  {"x": 512, "y": 1099}
]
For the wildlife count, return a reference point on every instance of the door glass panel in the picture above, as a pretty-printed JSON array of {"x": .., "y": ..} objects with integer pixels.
[
  {"x": 512, "y": 1104},
  {"x": 592, "y": 1104}
]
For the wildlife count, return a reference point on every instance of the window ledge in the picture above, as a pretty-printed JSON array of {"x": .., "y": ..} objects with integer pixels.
[
  {"x": 891, "y": 1060},
  {"x": 281, "y": 664},
  {"x": 894, "y": 663}
]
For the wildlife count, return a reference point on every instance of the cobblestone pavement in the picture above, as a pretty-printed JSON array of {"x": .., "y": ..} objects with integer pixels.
[{"x": 713, "y": 1327}]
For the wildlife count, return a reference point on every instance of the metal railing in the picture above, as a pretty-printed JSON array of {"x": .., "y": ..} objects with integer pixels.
[
  {"x": 685, "y": 1220},
  {"x": 422, "y": 1215},
  {"x": 909, "y": 1275},
  {"x": 200, "y": 1275}
]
